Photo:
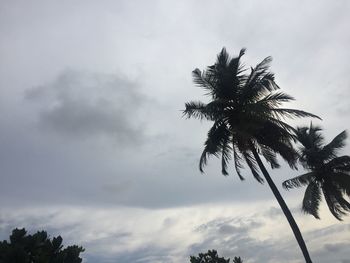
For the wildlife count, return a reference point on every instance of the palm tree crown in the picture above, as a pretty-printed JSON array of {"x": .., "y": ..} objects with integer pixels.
[
  {"x": 248, "y": 120},
  {"x": 246, "y": 114},
  {"x": 328, "y": 173}
]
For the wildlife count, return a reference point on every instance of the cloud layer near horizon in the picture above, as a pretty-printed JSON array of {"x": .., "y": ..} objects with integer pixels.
[{"x": 125, "y": 234}]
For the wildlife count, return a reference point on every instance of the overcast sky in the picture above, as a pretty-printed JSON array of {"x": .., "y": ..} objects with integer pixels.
[{"x": 93, "y": 145}]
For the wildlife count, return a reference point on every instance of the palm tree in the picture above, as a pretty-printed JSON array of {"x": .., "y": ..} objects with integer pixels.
[
  {"x": 248, "y": 122},
  {"x": 327, "y": 173}
]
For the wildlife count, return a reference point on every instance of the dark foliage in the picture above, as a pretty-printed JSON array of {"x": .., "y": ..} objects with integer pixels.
[
  {"x": 328, "y": 173},
  {"x": 245, "y": 111},
  {"x": 37, "y": 248},
  {"x": 210, "y": 257}
]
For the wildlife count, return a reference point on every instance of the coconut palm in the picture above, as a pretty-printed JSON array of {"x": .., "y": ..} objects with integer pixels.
[
  {"x": 248, "y": 122},
  {"x": 327, "y": 173}
]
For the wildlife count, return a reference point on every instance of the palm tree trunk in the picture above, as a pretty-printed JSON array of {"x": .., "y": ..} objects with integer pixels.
[{"x": 283, "y": 206}]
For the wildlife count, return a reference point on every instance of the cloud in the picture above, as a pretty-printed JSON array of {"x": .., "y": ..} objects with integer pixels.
[
  {"x": 51, "y": 151},
  {"x": 83, "y": 105},
  {"x": 232, "y": 237},
  {"x": 336, "y": 247},
  {"x": 126, "y": 235}
]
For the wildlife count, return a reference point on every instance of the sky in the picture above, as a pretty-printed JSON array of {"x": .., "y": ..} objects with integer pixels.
[{"x": 93, "y": 145}]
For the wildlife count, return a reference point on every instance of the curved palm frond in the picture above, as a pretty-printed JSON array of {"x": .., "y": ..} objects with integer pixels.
[
  {"x": 278, "y": 140},
  {"x": 274, "y": 99},
  {"x": 312, "y": 199},
  {"x": 339, "y": 164},
  {"x": 342, "y": 180},
  {"x": 270, "y": 156},
  {"x": 237, "y": 160},
  {"x": 204, "y": 80},
  {"x": 292, "y": 113},
  {"x": 258, "y": 84},
  {"x": 260, "y": 72},
  {"x": 310, "y": 137},
  {"x": 217, "y": 141},
  {"x": 298, "y": 181},
  {"x": 330, "y": 150},
  {"x": 197, "y": 109},
  {"x": 337, "y": 205},
  {"x": 219, "y": 78},
  {"x": 253, "y": 166},
  {"x": 235, "y": 64},
  {"x": 226, "y": 155}
]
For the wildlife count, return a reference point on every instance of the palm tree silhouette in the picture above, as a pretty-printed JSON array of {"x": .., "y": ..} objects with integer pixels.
[
  {"x": 248, "y": 122},
  {"x": 328, "y": 173}
]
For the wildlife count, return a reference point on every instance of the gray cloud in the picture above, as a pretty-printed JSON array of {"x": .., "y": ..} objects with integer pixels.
[
  {"x": 336, "y": 247},
  {"x": 231, "y": 237},
  {"x": 80, "y": 104},
  {"x": 119, "y": 236}
]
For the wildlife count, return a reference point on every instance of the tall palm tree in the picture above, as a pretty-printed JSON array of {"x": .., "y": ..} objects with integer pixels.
[
  {"x": 248, "y": 122},
  {"x": 327, "y": 173}
]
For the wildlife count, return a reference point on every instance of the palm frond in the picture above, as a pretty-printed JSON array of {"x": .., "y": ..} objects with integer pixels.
[
  {"x": 259, "y": 82},
  {"x": 223, "y": 58},
  {"x": 259, "y": 72},
  {"x": 253, "y": 166},
  {"x": 268, "y": 82},
  {"x": 217, "y": 139},
  {"x": 204, "y": 80},
  {"x": 222, "y": 79},
  {"x": 299, "y": 181},
  {"x": 339, "y": 164},
  {"x": 237, "y": 161},
  {"x": 292, "y": 113},
  {"x": 235, "y": 65},
  {"x": 283, "y": 126},
  {"x": 337, "y": 205},
  {"x": 278, "y": 140},
  {"x": 332, "y": 148},
  {"x": 270, "y": 156},
  {"x": 225, "y": 155},
  {"x": 310, "y": 137},
  {"x": 196, "y": 109},
  {"x": 342, "y": 180},
  {"x": 275, "y": 99},
  {"x": 312, "y": 199},
  {"x": 262, "y": 115}
]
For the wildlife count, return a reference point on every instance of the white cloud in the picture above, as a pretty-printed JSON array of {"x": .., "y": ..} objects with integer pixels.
[{"x": 171, "y": 235}]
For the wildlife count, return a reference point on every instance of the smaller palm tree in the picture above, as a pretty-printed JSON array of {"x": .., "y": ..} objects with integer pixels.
[{"x": 327, "y": 173}]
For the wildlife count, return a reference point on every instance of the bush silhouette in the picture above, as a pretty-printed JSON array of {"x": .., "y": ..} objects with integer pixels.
[
  {"x": 210, "y": 257},
  {"x": 37, "y": 248}
]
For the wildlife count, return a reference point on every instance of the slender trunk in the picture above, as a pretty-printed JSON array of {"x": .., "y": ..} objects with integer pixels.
[{"x": 284, "y": 207}]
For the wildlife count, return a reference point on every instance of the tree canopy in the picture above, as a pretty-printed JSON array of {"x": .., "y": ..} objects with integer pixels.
[
  {"x": 37, "y": 248},
  {"x": 210, "y": 257}
]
